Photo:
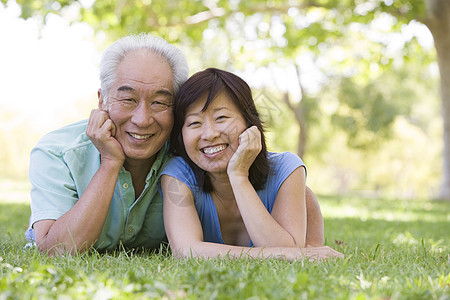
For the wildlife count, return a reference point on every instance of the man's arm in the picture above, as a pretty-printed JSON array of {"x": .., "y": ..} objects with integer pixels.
[{"x": 80, "y": 227}]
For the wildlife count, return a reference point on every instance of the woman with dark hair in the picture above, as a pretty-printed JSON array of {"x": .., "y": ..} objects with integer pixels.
[{"x": 224, "y": 193}]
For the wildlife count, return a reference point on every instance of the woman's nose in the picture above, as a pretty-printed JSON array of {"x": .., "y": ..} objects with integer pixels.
[{"x": 209, "y": 131}]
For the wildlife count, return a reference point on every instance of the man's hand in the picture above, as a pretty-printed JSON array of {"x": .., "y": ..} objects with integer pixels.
[{"x": 101, "y": 131}]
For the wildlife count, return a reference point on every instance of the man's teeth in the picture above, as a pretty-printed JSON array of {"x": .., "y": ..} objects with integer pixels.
[
  {"x": 213, "y": 150},
  {"x": 140, "y": 137}
]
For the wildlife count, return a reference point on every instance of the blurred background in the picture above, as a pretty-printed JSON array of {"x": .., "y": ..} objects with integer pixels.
[{"x": 352, "y": 86}]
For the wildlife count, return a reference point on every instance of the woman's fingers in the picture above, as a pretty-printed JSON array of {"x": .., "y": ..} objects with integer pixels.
[
  {"x": 319, "y": 253},
  {"x": 247, "y": 151}
]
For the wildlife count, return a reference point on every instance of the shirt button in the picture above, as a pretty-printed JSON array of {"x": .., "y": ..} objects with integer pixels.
[
  {"x": 125, "y": 185},
  {"x": 130, "y": 230}
]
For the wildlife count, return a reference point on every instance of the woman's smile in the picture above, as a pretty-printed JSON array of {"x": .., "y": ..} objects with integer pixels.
[{"x": 214, "y": 149}]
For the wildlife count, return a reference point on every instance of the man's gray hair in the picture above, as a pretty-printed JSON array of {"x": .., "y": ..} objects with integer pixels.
[{"x": 115, "y": 53}]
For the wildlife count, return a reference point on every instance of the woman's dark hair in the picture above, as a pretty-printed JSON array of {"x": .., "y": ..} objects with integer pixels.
[{"x": 213, "y": 82}]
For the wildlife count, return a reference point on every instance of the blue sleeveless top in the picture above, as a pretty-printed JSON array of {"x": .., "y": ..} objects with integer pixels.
[{"x": 281, "y": 166}]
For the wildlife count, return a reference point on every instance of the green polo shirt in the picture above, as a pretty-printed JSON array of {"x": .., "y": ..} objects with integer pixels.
[{"x": 61, "y": 166}]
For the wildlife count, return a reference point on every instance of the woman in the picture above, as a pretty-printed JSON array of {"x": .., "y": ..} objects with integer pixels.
[{"x": 225, "y": 194}]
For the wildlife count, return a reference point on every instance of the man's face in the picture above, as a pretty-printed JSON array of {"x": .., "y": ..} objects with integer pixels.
[{"x": 140, "y": 104}]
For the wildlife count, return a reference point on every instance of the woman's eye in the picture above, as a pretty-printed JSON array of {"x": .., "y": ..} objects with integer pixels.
[
  {"x": 193, "y": 124},
  {"x": 221, "y": 118}
]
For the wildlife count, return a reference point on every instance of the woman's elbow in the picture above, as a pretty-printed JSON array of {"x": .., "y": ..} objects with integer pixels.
[{"x": 180, "y": 250}]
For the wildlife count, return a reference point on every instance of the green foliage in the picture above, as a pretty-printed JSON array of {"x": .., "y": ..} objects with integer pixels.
[
  {"x": 363, "y": 91},
  {"x": 394, "y": 249},
  {"x": 365, "y": 114}
]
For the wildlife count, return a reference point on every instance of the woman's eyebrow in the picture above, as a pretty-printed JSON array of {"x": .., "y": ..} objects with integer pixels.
[
  {"x": 220, "y": 108},
  {"x": 214, "y": 110},
  {"x": 192, "y": 114}
]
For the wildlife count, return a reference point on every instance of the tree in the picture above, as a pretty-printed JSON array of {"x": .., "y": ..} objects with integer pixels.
[
  {"x": 438, "y": 21},
  {"x": 291, "y": 28}
]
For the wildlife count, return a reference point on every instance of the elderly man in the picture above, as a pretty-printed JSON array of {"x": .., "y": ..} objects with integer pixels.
[{"x": 95, "y": 182}]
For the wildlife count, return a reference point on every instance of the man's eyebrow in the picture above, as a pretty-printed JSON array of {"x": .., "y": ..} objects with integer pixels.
[
  {"x": 164, "y": 93},
  {"x": 128, "y": 88},
  {"x": 125, "y": 88}
]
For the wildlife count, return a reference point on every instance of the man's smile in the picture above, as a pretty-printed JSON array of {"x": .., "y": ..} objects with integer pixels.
[{"x": 140, "y": 136}]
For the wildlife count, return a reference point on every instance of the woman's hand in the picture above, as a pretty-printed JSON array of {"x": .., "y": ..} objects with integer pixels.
[
  {"x": 310, "y": 254},
  {"x": 101, "y": 131},
  {"x": 246, "y": 153},
  {"x": 320, "y": 253}
]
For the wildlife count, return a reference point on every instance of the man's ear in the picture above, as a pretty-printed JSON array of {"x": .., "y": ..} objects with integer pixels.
[{"x": 100, "y": 99}]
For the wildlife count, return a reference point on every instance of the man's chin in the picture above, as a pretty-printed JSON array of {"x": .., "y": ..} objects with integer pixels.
[{"x": 141, "y": 155}]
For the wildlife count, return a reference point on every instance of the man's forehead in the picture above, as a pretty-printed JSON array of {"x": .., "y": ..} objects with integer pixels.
[
  {"x": 140, "y": 82},
  {"x": 140, "y": 68},
  {"x": 145, "y": 88}
]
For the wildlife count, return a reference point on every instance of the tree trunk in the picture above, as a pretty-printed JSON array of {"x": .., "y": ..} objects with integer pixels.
[
  {"x": 298, "y": 111},
  {"x": 300, "y": 117},
  {"x": 303, "y": 135},
  {"x": 438, "y": 21}
]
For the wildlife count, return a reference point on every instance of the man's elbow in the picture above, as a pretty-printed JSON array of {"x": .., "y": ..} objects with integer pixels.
[{"x": 60, "y": 249}]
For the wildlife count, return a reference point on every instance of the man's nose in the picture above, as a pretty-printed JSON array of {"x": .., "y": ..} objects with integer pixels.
[{"x": 142, "y": 115}]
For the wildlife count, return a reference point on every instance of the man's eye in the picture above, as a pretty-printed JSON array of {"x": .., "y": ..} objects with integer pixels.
[
  {"x": 158, "y": 106},
  {"x": 127, "y": 100}
]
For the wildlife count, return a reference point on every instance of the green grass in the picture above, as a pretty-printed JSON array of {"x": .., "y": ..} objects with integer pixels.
[{"x": 395, "y": 249}]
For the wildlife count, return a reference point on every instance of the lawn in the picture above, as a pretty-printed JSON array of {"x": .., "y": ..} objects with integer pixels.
[{"x": 395, "y": 249}]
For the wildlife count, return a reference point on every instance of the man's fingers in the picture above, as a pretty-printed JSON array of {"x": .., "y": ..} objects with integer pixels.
[{"x": 99, "y": 122}]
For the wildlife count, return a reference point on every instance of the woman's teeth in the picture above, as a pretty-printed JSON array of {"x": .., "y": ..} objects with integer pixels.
[{"x": 213, "y": 150}]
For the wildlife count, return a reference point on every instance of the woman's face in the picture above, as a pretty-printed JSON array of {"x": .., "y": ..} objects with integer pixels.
[{"x": 211, "y": 137}]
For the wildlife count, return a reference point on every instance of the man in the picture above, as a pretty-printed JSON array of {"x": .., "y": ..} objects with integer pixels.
[{"x": 95, "y": 182}]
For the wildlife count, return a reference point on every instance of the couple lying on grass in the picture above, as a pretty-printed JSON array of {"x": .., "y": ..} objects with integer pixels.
[{"x": 95, "y": 183}]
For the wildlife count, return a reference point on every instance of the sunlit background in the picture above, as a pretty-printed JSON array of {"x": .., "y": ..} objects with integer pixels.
[{"x": 49, "y": 78}]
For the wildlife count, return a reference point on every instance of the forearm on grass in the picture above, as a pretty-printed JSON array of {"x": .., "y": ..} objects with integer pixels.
[
  {"x": 80, "y": 227},
  {"x": 214, "y": 250},
  {"x": 260, "y": 224}
]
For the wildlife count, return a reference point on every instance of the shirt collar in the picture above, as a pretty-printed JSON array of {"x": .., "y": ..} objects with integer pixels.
[{"x": 159, "y": 162}]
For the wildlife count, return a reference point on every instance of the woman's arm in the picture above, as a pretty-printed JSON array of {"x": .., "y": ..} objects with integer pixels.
[
  {"x": 286, "y": 227},
  {"x": 185, "y": 233}
]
